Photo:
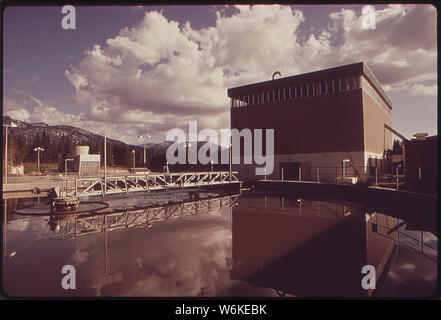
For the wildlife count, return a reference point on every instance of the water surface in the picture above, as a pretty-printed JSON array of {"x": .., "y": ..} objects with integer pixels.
[{"x": 252, "y": 245}]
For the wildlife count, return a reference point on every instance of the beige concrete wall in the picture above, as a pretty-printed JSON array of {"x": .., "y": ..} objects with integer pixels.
[
  {"x": 376, "y": 137},
  {"x": 330, "y": 165}
]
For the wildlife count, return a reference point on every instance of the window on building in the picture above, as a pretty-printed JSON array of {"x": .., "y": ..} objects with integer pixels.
[
  {"x": 310, "y": 90},
  {"x": 344, "y": 84},
  {"x": 350, "y": 83},
  {"x": 323, "y": 87}
]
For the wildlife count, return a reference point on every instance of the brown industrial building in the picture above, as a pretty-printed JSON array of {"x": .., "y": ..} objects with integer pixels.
[
  {"x": 421, "y": 164},
  {"x": 319, "y": 119}
]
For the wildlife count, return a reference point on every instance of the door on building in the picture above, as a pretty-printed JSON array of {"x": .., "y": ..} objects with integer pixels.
[{"x": 290, "y": 170}]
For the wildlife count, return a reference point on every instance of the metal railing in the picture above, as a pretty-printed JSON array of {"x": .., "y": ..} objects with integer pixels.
[
  {"x": 149, "y": 182},
  {"x": 373, "y": 176},
  {"x": 414, "y": 240}
]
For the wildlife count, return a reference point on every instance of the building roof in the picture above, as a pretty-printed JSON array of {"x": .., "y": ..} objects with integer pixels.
[{"x": 359, "y": 68}]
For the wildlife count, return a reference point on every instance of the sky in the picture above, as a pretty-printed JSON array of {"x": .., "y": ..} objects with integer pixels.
[{"x": 127, "y": 71}]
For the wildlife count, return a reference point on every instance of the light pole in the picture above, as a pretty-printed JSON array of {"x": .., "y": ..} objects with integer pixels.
[
  {"x": 230, "y": 155},
  {"x": 187, "y": 145},
  {"x": 133, "y": 151},
  {"x": 105, "y": 163},
  {"x": 65, "y": 169},
  {"x": 211, "y": 162},
  {"x": 147, "y": 136},
  {"x": 105, "y": 158},
  {"x": 13, "y": 125},
  {"x": 38, "y": 149},
  {"x": 343, "y": 166}
]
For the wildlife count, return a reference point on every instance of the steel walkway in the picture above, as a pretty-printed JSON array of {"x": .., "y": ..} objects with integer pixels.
[{"x": 94, "y": 186}]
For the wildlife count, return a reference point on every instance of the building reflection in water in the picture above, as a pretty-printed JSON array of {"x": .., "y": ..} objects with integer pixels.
[{"x": 308, "y": 248}]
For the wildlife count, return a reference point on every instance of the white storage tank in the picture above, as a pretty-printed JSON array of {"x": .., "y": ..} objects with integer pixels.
[{"x": 79, "y": 150}]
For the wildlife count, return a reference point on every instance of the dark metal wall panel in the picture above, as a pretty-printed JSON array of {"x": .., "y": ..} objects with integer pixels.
[{"x": 327, "y": 123}]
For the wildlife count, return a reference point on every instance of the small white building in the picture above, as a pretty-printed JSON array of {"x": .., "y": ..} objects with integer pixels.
[{"x": 84, "y": 163}]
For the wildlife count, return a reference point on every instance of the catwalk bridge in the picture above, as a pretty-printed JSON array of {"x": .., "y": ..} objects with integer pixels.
[{"x": 95, "y": 186}]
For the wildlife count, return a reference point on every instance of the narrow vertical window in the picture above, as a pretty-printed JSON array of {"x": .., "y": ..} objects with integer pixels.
[
  {"x": 310, "y": 90},
  {"x": 350, "y": 83},
  {"x": 344, "y": 85}
]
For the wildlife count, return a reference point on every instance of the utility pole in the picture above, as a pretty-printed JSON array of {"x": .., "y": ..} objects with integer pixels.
[
  {"x": 146, "y": 136},
  {"x": 38, "y": 149},
  {"x": 105, "y": 163},
  {"x": 133, "y": 152},
  {"x": 13, "y": 125}
]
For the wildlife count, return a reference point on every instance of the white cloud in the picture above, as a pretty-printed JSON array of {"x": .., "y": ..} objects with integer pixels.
[{"x": 160, "y": 74}]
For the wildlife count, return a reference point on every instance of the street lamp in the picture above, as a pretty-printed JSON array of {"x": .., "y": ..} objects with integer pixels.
[
  {"x": 133, "y": 151},
  {"x": 146, "y": 136},
  {"x": 38, "y": 149},
  {"x": 65, "y": 168},
  {"x": 105, "y": 157},
  {"x": 343, "y": 166},
  {"x": 230, "y": 155},
  {"x": 187, "y": 145},
  {"x": 13, "y": 125}
]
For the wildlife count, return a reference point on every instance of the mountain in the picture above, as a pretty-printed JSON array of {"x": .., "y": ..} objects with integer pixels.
[
  {"x": 29, "y": 132},
  {"x": 61, "y": 138}
]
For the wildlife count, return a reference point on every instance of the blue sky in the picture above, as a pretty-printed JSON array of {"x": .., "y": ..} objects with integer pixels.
[{"x": 129, "y": 70}]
